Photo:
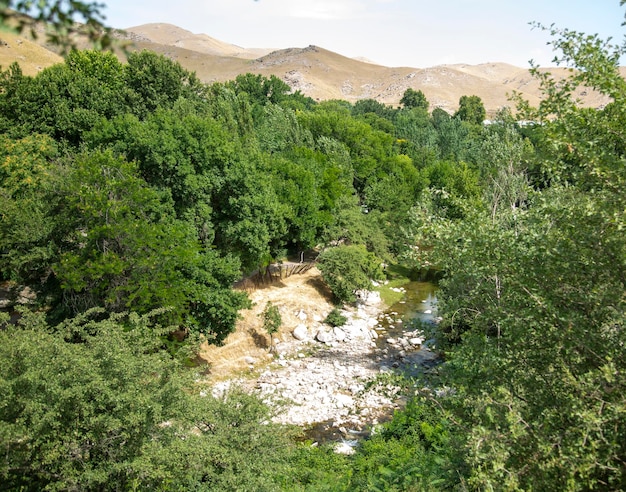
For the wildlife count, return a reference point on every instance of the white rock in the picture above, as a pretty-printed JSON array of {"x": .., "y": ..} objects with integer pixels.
[
  {"x": 368, "y": 298},
  {"x": 416, "y": 341},
  {"x": 249, "y": 360},
  {"x": 344, "y": 448},
  {"x": 300, "y": 332},
  {"x": 339, "y": 334},
  {"x": 343, "y": 401},
  {"x": 324, "y": 336},
  {"x": 301, "y": 315}
]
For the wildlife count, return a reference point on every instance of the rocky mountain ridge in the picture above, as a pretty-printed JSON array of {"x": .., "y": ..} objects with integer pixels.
[{"x": 313, "y": 70}]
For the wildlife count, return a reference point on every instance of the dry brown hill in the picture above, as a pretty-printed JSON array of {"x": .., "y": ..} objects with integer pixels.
[
  {"x": 168, "y": 34},
  {"x": 31, "y": 57},
  {"x": 317, "y": 72}
]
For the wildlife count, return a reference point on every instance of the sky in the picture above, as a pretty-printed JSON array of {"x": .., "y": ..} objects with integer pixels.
[{"x": 407, "y": 33}]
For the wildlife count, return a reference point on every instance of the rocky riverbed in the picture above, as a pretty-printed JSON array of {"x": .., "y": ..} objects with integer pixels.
[{"x": 338, "y": 381}]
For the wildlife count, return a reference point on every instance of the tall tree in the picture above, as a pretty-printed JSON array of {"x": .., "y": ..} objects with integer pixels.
[
  {"x": 64, "y": 100},
  {"x": 412, "y": 99},
  {"x": 533, "y": 297},
  {"x": 471, "y": 109},
  {"x": 156, "y": 81}
]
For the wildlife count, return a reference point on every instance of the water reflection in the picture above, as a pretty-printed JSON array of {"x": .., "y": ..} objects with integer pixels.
[{"x": 419, "y": 303}]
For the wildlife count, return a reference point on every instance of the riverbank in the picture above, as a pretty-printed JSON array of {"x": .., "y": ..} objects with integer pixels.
[{"x": 336, "y": 381}]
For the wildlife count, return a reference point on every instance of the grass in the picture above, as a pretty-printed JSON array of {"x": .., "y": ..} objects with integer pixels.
[{"x": 397, "y": 276}]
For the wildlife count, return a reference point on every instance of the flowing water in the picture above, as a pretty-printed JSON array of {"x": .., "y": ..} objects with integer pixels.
[{"x": 418, "y": 304}]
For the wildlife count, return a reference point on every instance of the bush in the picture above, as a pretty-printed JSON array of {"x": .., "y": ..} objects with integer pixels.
[
  {"x": 335, "y": 318},
  {"x": 346, "y": 269}
]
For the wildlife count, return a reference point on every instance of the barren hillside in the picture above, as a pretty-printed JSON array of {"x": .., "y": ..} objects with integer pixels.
[
  {"x": 31, "y": 57},
  {"x": 171, "y": 35},
  {"x": 315, "y": 71}
]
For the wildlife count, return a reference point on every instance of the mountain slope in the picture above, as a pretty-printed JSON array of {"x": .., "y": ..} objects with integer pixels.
[
  {"x": 316, "y": 72},
  {"x": 323, "y": 74},
  {"x": 171, "y": 35},
  {"x": 31, "y": 56}
]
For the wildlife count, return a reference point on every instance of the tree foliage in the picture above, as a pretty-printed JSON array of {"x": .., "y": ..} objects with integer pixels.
[
  {"x": 533, "y": 292},
  {"x": 347, "y": 269},
  {"x": 471, "y": 109},
  {"x": 133, "y": 196},
  {"x": 414, "y": 99},
  {"x": 112, "y": 413}
]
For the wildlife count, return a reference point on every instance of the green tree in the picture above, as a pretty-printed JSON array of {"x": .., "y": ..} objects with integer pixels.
[
  {"x": 94, "y": 234},
  {"x": 414, "y": 99},
  {"x": 156, "y": 81},
  {"x": 371, "y": 106},
  {"x": 278, "y": 130},
  {"x": 272, "y": 321},
  {"x": 297, "y": 190},
  {"x": 471, "y": 109},
  {"x": 417, "y": 137},
  {"x": 367, "y": 147},
  {"x": 347, "y": 269},
  {"x": 114, "y": 412},
  {"x": 261, "y": 90},
  {"x": 454, "y": 139},
  {"x": 533, "y": 296},
  {"x": 65, "y": 100},
  {"x": 182, "y": 153},
  {"x": 26, "y": 229}
]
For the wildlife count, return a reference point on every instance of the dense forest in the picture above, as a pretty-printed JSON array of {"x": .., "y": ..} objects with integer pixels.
[{"x": 133, "y": 196}]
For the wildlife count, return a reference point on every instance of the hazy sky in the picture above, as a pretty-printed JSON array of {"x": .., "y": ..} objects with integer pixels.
[{"x": 413, "y": 33}]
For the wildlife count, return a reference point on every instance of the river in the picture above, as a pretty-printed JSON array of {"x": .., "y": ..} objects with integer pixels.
[{"x": 418, "y": 305}]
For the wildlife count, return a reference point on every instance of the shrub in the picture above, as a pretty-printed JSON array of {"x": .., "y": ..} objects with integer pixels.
[
  {"x": 335, "y": 318},
  {"x": 346, "y": 269}
]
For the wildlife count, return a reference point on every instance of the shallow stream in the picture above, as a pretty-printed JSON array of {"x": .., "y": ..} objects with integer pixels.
[{"x": 418, "y": 303}]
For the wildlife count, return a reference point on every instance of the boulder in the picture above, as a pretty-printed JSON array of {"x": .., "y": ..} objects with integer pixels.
[
  {"x": 300, "y": 332},
  {"x": 324, "y": 336},
  {"x": 339, "y": 334},
  {"x": 368, "y": 298},
  {"x": 416, "y": 341}
]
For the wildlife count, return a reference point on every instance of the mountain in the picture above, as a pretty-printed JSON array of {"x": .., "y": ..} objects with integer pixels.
[
  {"x": 168, "y": 34},
  {"x": 315, "y": 71}
]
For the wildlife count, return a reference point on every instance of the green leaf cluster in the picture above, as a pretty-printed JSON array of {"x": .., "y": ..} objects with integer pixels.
[
  {"x": 532, "y": 295},
  {"x": 112, "y": 412}
]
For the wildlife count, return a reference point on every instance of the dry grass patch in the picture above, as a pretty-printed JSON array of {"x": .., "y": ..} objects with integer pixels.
[
  {"x": 31, "y": 57},
  {"x": 297, "y": 294}
]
